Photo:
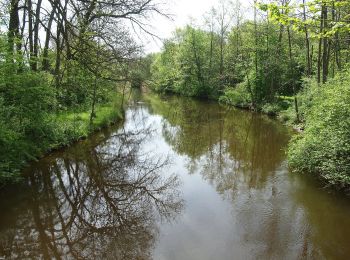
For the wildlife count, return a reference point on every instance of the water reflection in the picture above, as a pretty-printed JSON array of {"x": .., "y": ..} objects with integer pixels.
[
  {"x": 222, "y": 144},
  {"x": 271, "y": 214},
  {"x": 100, "y": 200},
  {"x": 105, "y": 198}
]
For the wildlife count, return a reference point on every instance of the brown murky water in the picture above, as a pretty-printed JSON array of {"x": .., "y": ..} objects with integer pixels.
[{"x": 179, "y": 179}]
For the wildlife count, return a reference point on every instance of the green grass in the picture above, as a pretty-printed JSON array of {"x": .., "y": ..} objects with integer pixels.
[
  {"x": 57, "y": 130},
  {"x": 76, "y": 124}
]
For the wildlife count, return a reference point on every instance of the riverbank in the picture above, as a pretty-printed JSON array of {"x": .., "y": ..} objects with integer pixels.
[
  {"x": 323, "y": 146},
  {"x": 63, "y": 129},
  {"x": 281, "y": 109}
]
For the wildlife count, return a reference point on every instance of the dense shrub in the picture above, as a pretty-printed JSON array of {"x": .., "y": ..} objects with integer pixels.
[
  {"x": 271, "y": 109},
  {"x": 32, "y": 122},
  {"x": 324, "y": 147},
  {"x": 24, "y": 103},
  {"x": 238, "y": 96}
]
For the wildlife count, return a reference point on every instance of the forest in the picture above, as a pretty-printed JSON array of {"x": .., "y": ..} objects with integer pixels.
[{"x": 288, "y": 59}]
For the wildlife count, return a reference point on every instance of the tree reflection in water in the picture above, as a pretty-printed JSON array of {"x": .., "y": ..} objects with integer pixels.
[
  {"x": 97, "y": 203},
  {"x": 229, "y": 148}
]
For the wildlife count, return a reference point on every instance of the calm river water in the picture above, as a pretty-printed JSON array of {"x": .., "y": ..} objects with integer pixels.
[{"x": 179, "y": 179}]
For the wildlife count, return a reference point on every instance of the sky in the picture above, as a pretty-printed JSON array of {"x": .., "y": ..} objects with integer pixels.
[{"x": 182, "y": 12}]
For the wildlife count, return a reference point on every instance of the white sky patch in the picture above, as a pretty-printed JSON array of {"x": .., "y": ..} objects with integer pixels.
[{"x": 182, "y": 11}]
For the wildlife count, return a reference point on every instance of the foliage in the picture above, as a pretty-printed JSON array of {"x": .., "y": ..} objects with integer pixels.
[
  {"x": 189, "y": 64},
  {"x": 25, "y": 103},
  {"x": 29, "y": 126},
  {"x": 282, "y": 14},
  {"x": 141, "y": 72},
  {"x": 184, "y": 66},
  {"x": 324, "y": 147},
  {"x": 238, "y": 96}
]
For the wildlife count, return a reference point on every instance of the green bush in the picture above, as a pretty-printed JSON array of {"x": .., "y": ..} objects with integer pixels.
[
  {"x": 306, "y": 97},
  {"x": 238, "y": 96},
  {"x": 324, "y": 147},
  {"x": 288, "y": 115},
  {"x": 286, "y": 110},
  {"x": 31, "y": 123},
  {"x": 271, "y": 109},
  {"x": 25, "y": 125}
]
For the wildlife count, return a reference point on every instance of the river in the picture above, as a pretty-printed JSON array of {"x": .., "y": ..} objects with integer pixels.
[{"x": 178, "y": 179}]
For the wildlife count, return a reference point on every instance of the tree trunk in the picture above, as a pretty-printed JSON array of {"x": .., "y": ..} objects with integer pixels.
[
  {"x": 13, "y": 30},
  {"x": 326, "y": 47},
  {"x": 256, "y": 39},
  {"x": 319, "y": 59},
  {"x": 211, "y": 54},
  {"x": 36, "y": 36},
  {"x": 93, "y": 113},
  {"x": 45, "y": 62},
  {"x": 291, "y": 67},
  {"x": 222, "y": 51},
  {"x": 197, "y": 62},
  {"x": 307, "y": 43},
  {"x": 58, "y": 57},
  {"x": 256, "y": 51},
  {"x": 30, "y": 35}
]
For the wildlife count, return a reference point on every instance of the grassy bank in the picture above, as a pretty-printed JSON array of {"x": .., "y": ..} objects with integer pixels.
[
  {"x": 77, "y": 123},
  {"x": 59, "y": 130}
]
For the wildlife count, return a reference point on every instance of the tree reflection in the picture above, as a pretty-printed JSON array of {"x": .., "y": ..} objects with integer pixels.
[
  {"x": 97, "y": 203},
  {"x": 228, "y": 148},
  {"x": 241, "y": 155}
]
